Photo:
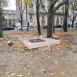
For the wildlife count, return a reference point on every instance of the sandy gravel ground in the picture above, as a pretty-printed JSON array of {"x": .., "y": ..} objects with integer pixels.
[{"x": 37, "y": 63}]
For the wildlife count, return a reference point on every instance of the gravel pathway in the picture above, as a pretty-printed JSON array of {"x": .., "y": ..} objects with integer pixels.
[{"x": 36, "y": 63}]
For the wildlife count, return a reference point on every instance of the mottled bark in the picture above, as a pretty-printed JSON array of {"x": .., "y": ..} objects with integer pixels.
[
  {"x": 66, "y": 16},
  {"x": 27, "y": 19},
  {"x": 50, "y": 21},
  {"x": 72, "y": 24},
  {"x": 21, "y": 22},
  {"x": 51, "y": 12},
  {"x": 37, "y": 16}
]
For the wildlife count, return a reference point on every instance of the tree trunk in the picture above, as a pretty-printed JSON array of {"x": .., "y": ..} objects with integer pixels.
[
  {"x": 27, "y": 20},
  {"x": 74, "y": 17},
  {"x": 50, "y": 21},
  {"x": 37, "y": 16},
  {"x": 65, "y": 17},
  {"x": 3, "y": 23},
  {"x": 72, "y": 23},
  {"x": 21, "y": 15},
  {"x": 21, "y": 22},
  {"x": 65, "y": 24},
  {"x": 1, "y": 35}
]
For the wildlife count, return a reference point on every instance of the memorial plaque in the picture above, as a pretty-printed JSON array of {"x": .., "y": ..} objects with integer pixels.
[{"x": 36, "y": 40}]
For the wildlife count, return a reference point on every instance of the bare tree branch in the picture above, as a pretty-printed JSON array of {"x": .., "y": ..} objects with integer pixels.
[
  {"x": 58, "y": 6},
  {"x": 43, "y": 6}
]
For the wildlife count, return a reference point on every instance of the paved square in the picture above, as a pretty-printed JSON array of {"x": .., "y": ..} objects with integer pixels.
[{"x": 38, "y": 41}]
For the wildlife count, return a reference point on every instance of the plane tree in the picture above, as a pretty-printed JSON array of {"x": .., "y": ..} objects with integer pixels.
[
  {"x": 66, "y": 16},
  {"x": 2, "y": 3},
  {"x": 73, "y": 8},
  {"x": 51, "y": 11},
  {"x": 21, "y": 10},
  {"x": 38, "y": 15},
  {"x": 22, "y": 6}
]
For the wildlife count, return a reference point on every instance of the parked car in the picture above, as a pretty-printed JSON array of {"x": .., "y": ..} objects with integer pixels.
[
  {"x": 23, "y": 27},
  {"x": 74, "y": 25},
  {"x": 69, "y": 25},
  {"x": 8, "y": 28},
  {"x": 58, "y": 26},
  {"x": 45, "y": 27}
]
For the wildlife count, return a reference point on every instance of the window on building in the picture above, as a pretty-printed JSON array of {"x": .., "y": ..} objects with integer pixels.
[
  {"x": 31, "y": 9},
  {"x": 61, "y": 18},
  {"x": 10, "y": 17},
  {"x": 42, "y": 16},
  {"x": 13, "y": 16},
  {"x": 5, "y": 24},
  {"x": 57, "y": 18},
  {"x": 30, "y": 16}
]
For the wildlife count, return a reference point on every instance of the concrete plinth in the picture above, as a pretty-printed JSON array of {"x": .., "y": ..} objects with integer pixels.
[{"x": 45, "y": 42}]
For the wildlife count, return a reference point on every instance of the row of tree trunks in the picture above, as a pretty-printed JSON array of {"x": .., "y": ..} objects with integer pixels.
[{"x": 51, "y": 13}]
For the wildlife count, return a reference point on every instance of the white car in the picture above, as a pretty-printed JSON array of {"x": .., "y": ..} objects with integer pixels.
[{"x": 23, "y": 27}]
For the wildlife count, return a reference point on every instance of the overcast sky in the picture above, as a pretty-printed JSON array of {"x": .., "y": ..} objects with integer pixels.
[{"x": 11, "y": 5}]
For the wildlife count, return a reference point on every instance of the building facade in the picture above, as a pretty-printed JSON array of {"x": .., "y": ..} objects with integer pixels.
[
  {"x": 73, "y": 12},
  {"x": 10, "y": 17},
  {"x": 31, "y": 14}
]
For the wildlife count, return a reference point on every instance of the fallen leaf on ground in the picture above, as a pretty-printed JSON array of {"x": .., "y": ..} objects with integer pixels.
[
  {"x": 19, "y": 75},
  {"x": 63, "y": 43},
  {"x": 18, "y": 46},
  {"x": 62, "y": 73}
]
